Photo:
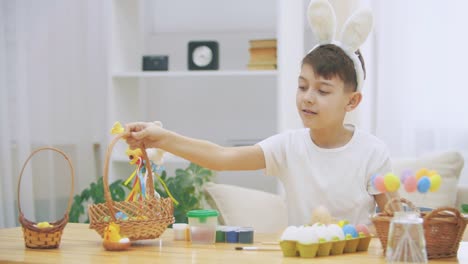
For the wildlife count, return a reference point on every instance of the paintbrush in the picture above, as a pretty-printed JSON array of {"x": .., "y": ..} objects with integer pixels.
[{"x": 258, "y": 248}]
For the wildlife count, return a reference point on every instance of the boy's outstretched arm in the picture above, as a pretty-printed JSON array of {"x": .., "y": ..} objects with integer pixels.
[
  {"x": 201, "y": 152},
  {"x": 383, "y": 198}
]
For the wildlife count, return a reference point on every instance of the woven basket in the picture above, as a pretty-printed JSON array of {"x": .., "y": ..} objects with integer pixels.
[
  {"x": 443, "y": 229},
  {"x": 41, "y": 238},
  {"x": 147, "y": 219}
]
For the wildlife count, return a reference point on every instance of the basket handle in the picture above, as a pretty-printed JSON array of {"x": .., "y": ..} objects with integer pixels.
[
  {"x": 149, "y": 179},
  {"x": 71, "y": 170},
  {"x": 440, "y": 212},
  {"x": 389, "y": 211}
]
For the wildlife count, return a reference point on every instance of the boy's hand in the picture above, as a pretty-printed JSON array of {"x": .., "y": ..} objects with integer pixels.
[{"x": 149, "y": 134}]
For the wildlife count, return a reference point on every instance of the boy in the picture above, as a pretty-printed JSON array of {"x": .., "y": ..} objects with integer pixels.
[{"x": 326, "y": 163}]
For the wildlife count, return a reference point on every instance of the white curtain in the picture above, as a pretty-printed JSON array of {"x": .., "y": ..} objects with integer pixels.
[
  {"x": 52, "y": 93},
  {"x": 419, "y": 52}
]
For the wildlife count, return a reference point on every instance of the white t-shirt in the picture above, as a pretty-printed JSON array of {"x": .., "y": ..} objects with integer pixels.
[{"x": 337, "y": 178}]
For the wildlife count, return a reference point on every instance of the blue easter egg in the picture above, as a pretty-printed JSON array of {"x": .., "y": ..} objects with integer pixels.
[
  {"x": 424, "y": 184},
  {"x": 351, "y": 230}
]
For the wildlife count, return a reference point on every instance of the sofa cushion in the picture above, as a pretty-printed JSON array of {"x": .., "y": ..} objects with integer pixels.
[
  {"x": 447, "y": 164},
  {"x": 238, "y": 206}
]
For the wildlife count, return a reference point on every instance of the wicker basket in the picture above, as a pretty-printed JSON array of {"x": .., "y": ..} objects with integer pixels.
[
  {"x": 147, "y": 219},
  {"x": 443, "y": 229},
  {"x": 41, "y": 238}
]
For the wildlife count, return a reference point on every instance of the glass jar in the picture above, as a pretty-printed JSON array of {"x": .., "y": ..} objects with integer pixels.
[{"x": 406, "y": 242}]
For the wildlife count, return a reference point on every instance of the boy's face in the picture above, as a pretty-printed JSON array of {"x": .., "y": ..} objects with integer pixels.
[{"x": 321, "y": 103}]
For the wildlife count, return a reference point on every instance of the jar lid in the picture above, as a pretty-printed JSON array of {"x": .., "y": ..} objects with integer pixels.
[{"x": 202, "y": 213}]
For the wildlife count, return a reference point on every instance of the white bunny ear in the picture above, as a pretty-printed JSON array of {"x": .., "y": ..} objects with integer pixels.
[
  {"x": 356, "y": 29},
  {"x": 322, "y": 20}
]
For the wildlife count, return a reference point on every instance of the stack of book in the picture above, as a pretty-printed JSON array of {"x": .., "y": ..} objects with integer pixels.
[{"x": 262, "y": 54}]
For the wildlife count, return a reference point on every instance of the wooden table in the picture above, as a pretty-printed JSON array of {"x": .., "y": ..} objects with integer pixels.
[{"x": 83, "y": 245}]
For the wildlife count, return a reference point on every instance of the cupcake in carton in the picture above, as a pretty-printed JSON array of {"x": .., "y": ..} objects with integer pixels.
[
  {"x": 351, "y": 237},
  {"x": 364, "y": 237},
  {"x": 307, "y": 242},
  {"x": 337, "y": 238},
  {"x": 288, "y": 242}
]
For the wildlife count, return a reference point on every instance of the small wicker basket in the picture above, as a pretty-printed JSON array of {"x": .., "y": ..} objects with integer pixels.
[
  {"x": 42, "y": 238},
  {"x": 443, "y": 229},
  {"x": 147, "y": 219}
]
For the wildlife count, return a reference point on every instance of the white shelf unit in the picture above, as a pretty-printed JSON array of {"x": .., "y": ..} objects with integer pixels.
[
  {"x": 229, "y": 105},
  {"x": 239, "y": 73}
]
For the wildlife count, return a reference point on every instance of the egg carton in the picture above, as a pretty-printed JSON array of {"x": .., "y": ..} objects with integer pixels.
[{"x": 294, "y": 249}]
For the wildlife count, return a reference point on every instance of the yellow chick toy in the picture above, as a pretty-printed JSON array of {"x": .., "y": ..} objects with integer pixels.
[
  {"x": 44, "y": 225},
  {"x": 117, "y": 128},
  {"x": 112, "y": 239}
]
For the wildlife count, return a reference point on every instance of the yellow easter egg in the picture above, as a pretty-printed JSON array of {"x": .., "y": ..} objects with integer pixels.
[
  {"x": 436, "y": 181},
  {"x": 44, "y": 225},
  {"x": 391, "y": 182},
  {"x": 432, "y": 172},
  {"x": 342, "y": 223},
  {"x": 421, "y": 172}
]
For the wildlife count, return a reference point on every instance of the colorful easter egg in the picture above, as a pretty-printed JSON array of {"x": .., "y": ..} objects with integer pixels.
[
  {"x": 436, "y": 181},
  {"x": 290, "y": 233},
  {"x": 379, "y": 184},
  {"x": 336, "y": 232},
  {"x": 391, "y": 182},
  {"x": 421, "y": 172},
  {"x": 342, "y": 223},
  {"x": 362, "y": 229},
  {"x": 307, "y": 235},
  {"x": 424, "y": 184},
  {"x": 350, "y": 230},
  {"x": 410, "y": 184}
]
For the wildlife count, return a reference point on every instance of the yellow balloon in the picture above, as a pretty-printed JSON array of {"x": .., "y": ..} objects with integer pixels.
[
  {"x": 421, "y": 172},
  {"x": 436, "y": 181},
  {"x": 391, "y": 182}
]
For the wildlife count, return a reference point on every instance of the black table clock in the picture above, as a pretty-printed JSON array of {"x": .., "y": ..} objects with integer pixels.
[{"x": 203, "y": 55}]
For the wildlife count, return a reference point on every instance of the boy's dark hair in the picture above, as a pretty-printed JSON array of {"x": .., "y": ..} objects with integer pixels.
[{"x": 330, "y": 60}]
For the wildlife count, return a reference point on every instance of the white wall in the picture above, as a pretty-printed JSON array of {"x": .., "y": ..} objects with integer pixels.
[{"x": 57, "y": 55}]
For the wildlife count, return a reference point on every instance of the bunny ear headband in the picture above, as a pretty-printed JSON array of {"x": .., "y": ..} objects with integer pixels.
[{"x": 322, "y": 20}]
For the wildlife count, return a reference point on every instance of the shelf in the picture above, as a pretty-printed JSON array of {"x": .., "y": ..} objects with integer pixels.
[{"x": 154, "y": 74}]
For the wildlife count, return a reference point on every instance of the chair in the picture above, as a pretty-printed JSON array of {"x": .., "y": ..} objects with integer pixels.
[{"x": 238, "y": 206}]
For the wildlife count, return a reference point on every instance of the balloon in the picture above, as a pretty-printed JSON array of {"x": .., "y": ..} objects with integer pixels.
[
  {"x": 373, "y": 180},
  {"x": 436, "y": 180},
  {"x": 410, "y": 184},
  {"x": 391, "y": 182},
  {"x": 424, "y": 184},
  {"x": 405, "y": 174},
  {"x": 421, "y": 172},
  {"x": 431, "y": 173},
  {"x": 379, "y": 184}
]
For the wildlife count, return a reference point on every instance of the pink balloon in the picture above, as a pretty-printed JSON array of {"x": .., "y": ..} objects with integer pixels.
[
  {"x": 411, "y": 184},
  {"x": 379, "y": 184},
  {"x": 405, "y": 174}
]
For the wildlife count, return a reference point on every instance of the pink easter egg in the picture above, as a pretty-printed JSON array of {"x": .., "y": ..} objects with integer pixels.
[
  {"x": 379, "y": 184},
  {"x": 361, "y": 228},
  {"x": 411, "y": 184}
]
